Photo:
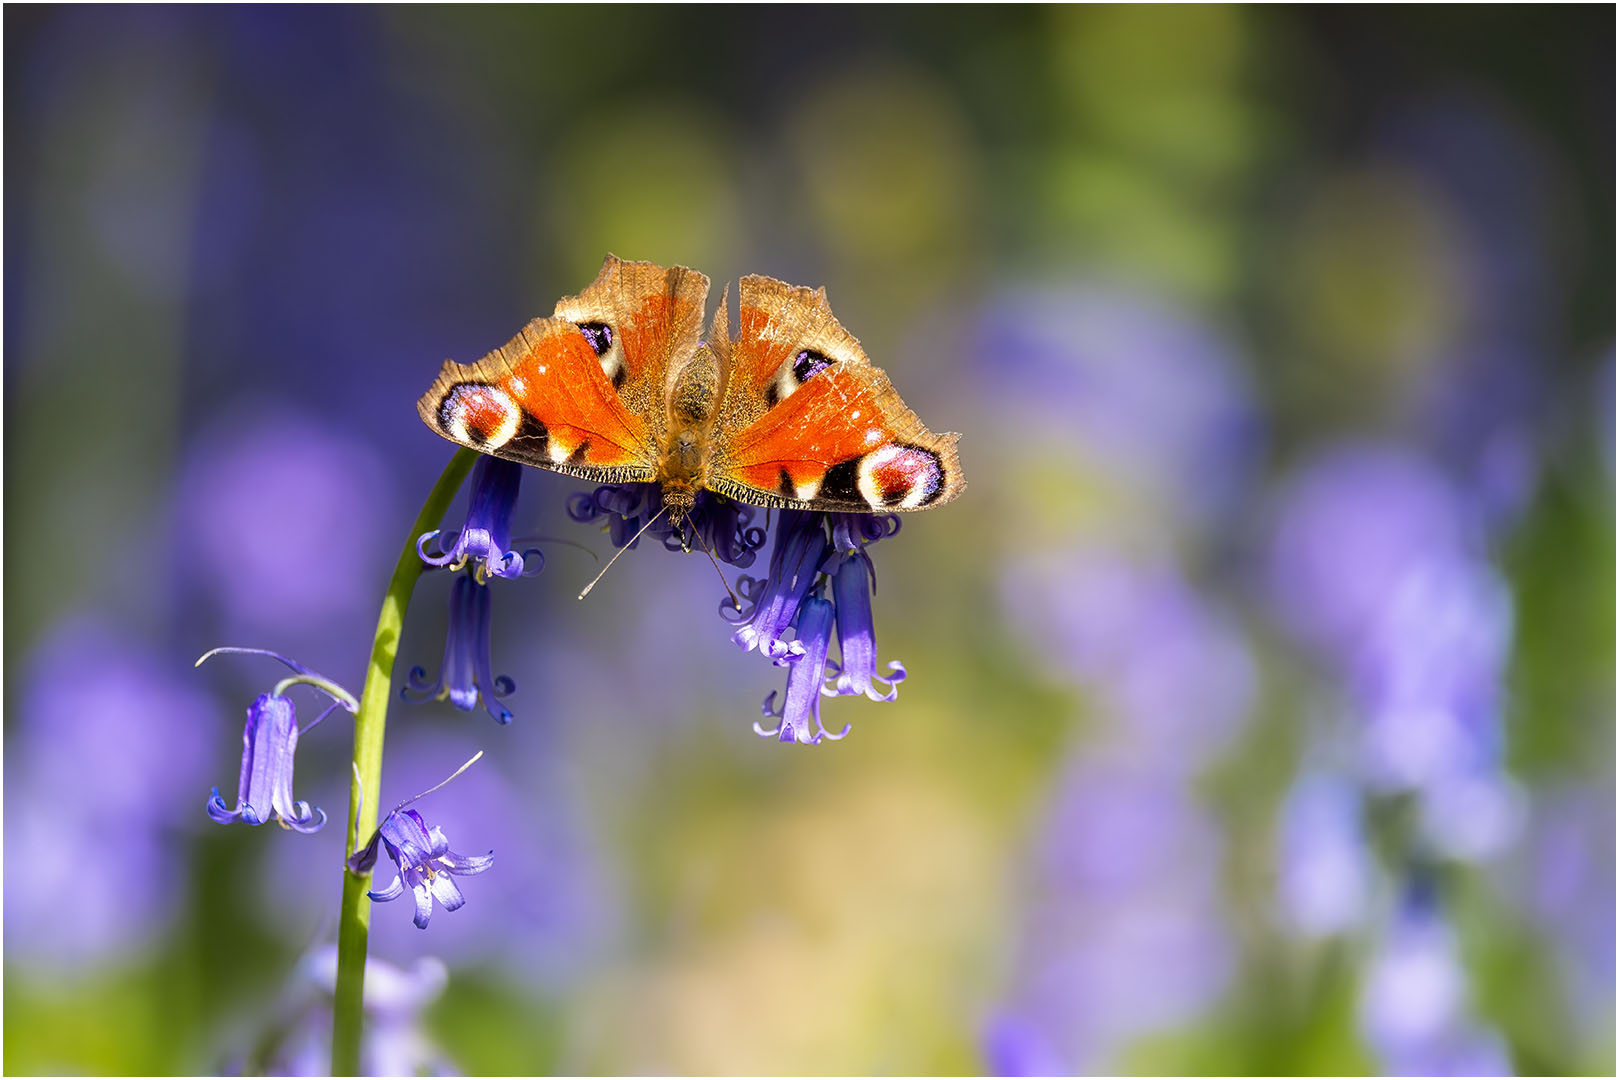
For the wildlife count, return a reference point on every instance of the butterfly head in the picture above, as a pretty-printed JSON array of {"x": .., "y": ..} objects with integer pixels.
[{"x": 678, "y": 500}]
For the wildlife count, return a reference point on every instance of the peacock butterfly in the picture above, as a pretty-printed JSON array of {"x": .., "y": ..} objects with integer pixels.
[{"x": 617, "y": 386}]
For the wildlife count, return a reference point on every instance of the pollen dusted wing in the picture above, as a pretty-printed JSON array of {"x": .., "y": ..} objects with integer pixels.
[
  {"x": 808, "y": 421},
  {"x": 581, "y": 392}
]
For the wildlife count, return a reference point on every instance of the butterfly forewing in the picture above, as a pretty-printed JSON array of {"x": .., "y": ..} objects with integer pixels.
[{"x": 581, "y": 392}]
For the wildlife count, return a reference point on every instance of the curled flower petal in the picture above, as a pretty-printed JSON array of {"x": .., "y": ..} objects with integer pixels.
[
  {"x": 714, "y": 522},
  {"x": 392, "y": 892},
  {"x": 466, "y": 676},
  {"x": 801, "y": 706},
  {"x": 800, "y": 546},
  {"x": 484, "y": 542}
]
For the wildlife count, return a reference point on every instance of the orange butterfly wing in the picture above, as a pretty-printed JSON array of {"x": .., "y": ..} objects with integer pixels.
[
  {"x": 807, "y": 421},
  {"x": 581, "y": 392}
]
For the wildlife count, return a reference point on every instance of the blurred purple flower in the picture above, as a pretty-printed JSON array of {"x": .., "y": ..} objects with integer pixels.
[
  {"x": 99, "y": 716},
  {"x": 1015, "y": 1047},
  {"x": 280, "y": 511},
  {"x": 1326, "y": 873},
  {"x": 392, "y": 1043},
  {"x": 467, "y": 673},
  {"x": 1375, "y": 565},
  {"x": 487, "y": 535},
  {"x": 1123, "y": 934},
  {"x": 265, "y": 788},
  {"x": 1141, "y": 391},
  {"x": 1174, "y": 668},
  {"x": 800, "y": 713},
  {"x": 1353, "y": 526},
  {"x": 1479, "y": 408},
  {"x": 1414, "y": 1009},
  {"x": 1563, "y": 877},
  {"x": 424, "y": 861}
]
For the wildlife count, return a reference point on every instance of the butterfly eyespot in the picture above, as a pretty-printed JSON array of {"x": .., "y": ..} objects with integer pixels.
[
  {"x": 479, "y": 415},
  {"x": 605, "y": 344},
  {"x": 899, "y": 476},
  {"x": 795, "y": 373}
]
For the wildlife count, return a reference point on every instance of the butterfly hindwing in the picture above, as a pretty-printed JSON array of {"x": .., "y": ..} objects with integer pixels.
[
  {"x": 806, "y": 420},
  {"x": 580, "y": 392}
]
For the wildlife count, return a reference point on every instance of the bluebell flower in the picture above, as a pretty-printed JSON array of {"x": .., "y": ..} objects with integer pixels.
[
  {"x": 105, "y": 876},
  {"x": 1414, "y": 1007},
  {"x": 467, "y": 671},
  {"x": 1121, "y": 932},
  {"x": 854, "y": 579},
  {"x": 265, "y": 788},
  {"x": 800, "y": 713},
  {"x": 716, "y": 523},
  {"x": 424, "y": 860},
  {"x": 1325, "y": 875},
  {"x": 801, "y": 545},
  {"x": 269, "y": 741},
  {"x": 484, "y": 542},
  {"x": 298, "y": 1038}
]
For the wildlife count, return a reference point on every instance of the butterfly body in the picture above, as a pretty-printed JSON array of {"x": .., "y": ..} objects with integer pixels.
[{"x": 617, "y": 386}]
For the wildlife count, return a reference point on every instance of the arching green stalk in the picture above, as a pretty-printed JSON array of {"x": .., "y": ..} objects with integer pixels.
[{"x": 370, "y": 723}]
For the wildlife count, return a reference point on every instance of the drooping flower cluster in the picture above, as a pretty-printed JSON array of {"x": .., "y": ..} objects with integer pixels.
[
  {"x": 264, "y": 791},
  {"x": 787, "y": 615},
  {"x": 715, "y": 523},
  {"x": 812, "y": 548},
  {"x": 481, "y": 550}
]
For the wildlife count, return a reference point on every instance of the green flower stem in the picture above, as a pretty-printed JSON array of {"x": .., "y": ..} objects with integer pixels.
[{"x": 369, "y": 724}]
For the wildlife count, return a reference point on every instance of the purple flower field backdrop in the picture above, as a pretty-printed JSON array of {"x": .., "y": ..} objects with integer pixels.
[{"x": 1259, "y": 701}]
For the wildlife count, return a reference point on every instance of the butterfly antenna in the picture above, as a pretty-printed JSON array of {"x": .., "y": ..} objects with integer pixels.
[
  {"x": 585, "y": 591},
  {"x": 734, "y": 601}
]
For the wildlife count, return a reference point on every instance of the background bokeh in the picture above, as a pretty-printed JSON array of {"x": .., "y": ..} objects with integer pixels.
[{"x": 1261, "y": 702}]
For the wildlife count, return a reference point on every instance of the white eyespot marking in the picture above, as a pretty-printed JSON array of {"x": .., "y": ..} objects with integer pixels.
[
  {"x": 798, "y": 369},
  {"x": 806, "y": 492},
  {"x": 557, "y": 450},
  {"x": 893, "y": 476},
  {"x": 479, "y": 415},
  {"x": 855, "y": 415},
  {"x": 519, "y": 385}
]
